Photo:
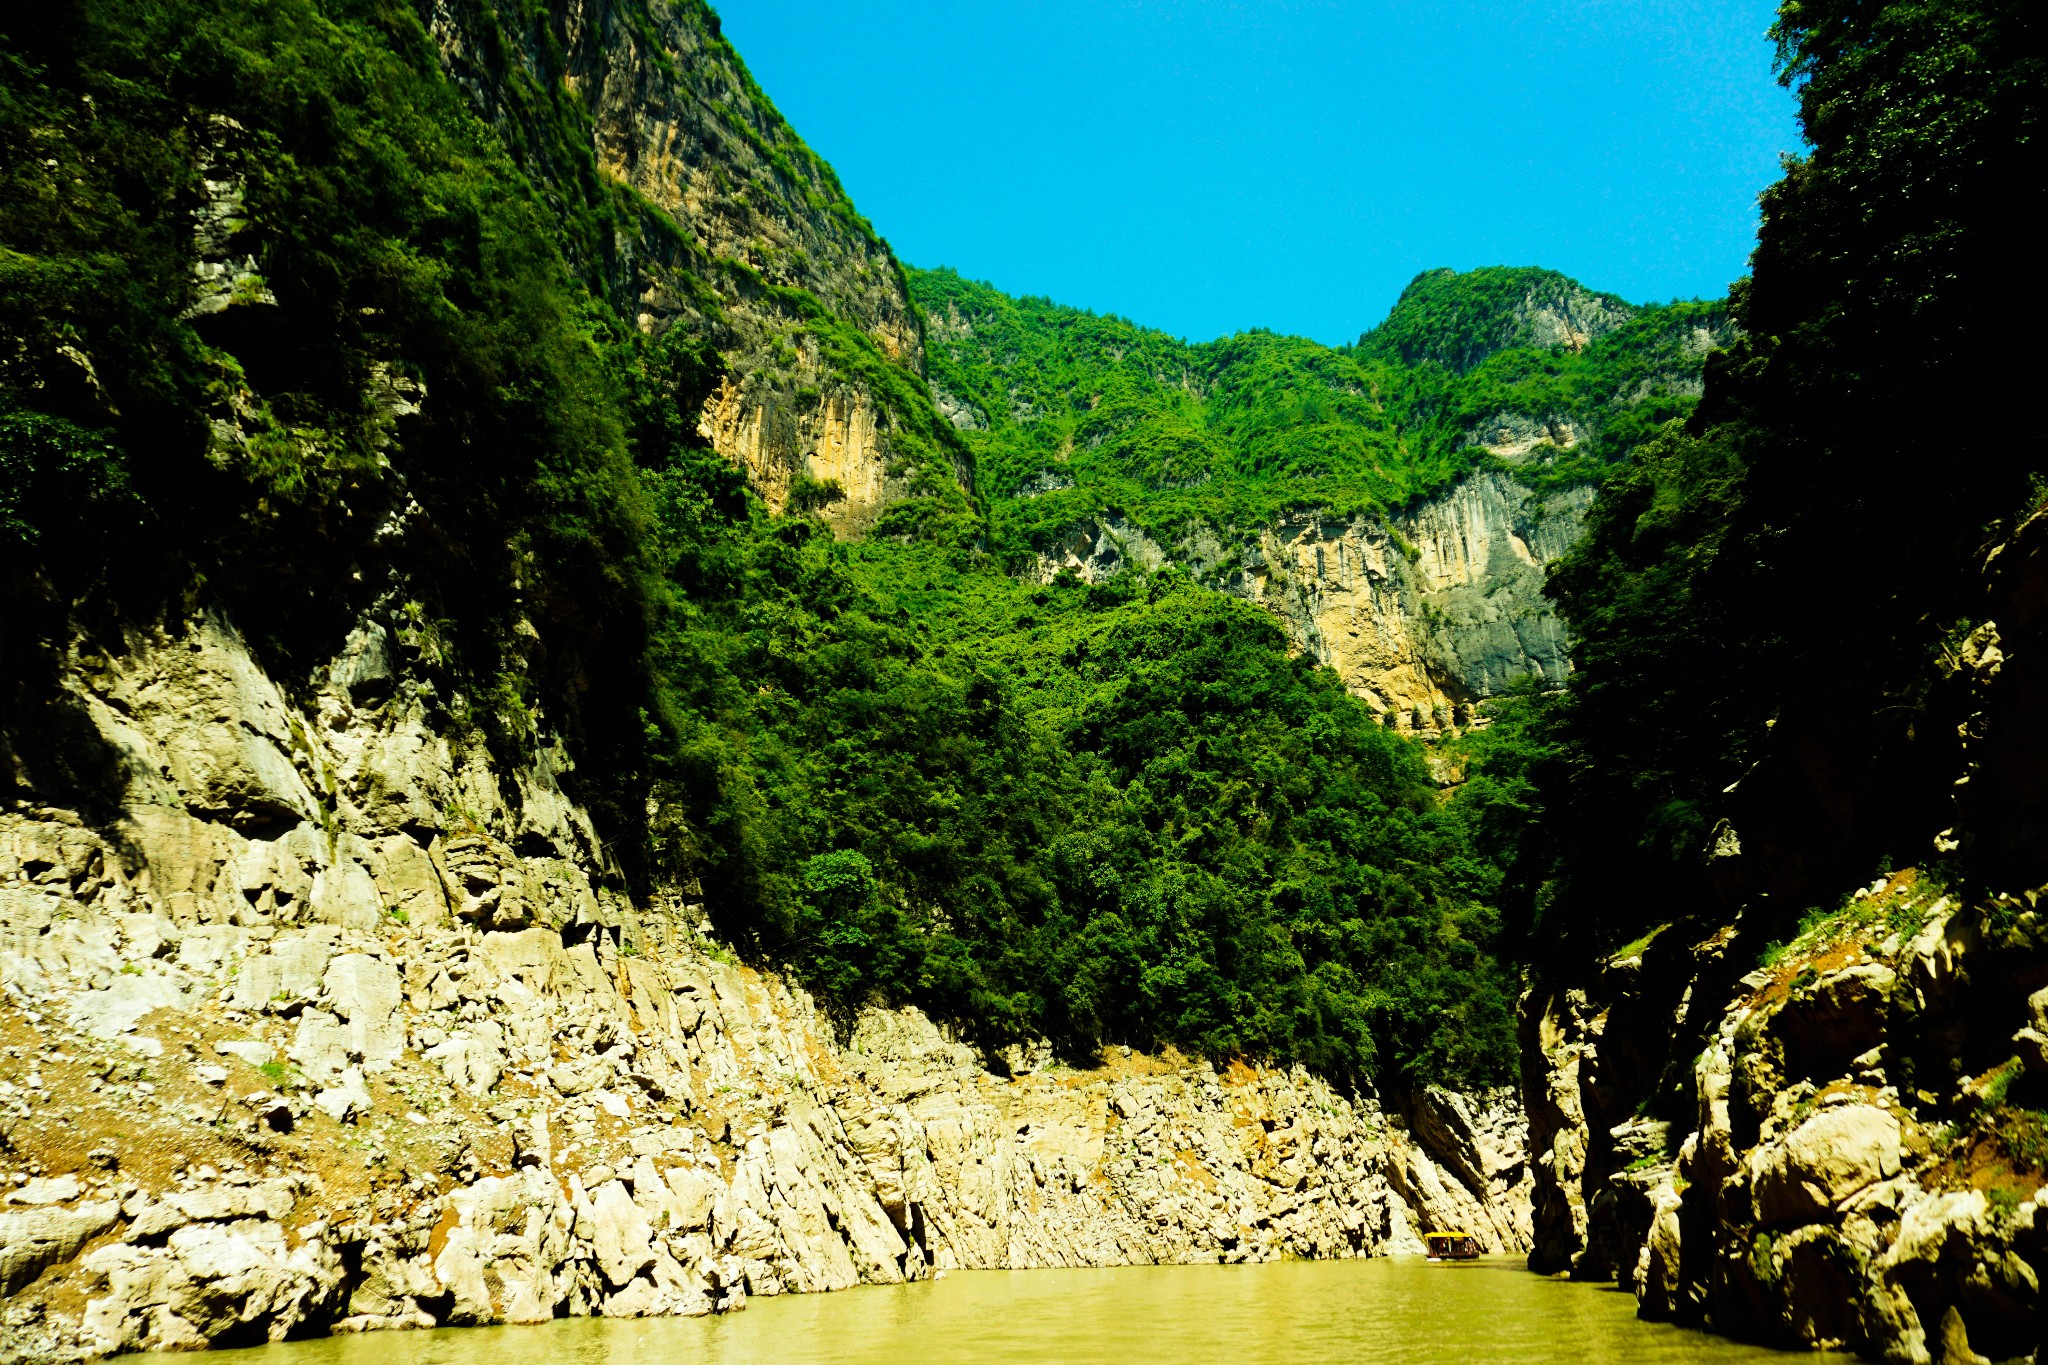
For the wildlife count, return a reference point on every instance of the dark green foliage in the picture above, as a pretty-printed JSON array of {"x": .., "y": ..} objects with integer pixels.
[
  {"x": 59, "y": 482},
  {"x": 1886, "y": 266},
  {"x": 1457, "y": 321},
  {"x": 1101, "y": 813},
  {"x": 1764, "y": 593},
  {"x": 1096, "y": 813},
  {"x": 388, "y": 226},
  {"x": 1265, "y": 868},
  {"x": 1665, "y": 701},
  {"x": 1504, "y": 809}
]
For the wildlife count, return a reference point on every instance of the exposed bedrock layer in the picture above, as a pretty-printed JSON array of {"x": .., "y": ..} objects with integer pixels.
[
  {"x": 1822, "y": 1187},
  {"x": 1420, "y": 614},
  {"x": 323, "y": 1019}
]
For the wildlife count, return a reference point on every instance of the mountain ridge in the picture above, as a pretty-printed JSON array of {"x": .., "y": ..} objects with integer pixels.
[{"x": 1108, "y": 445}]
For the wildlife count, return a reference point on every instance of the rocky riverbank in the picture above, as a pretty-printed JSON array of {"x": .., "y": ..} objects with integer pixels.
[
  {"x": 1837, "y": 1146},
  {"x": 321, "y": 1029},
  {"x": 1829, "y": 1130}
]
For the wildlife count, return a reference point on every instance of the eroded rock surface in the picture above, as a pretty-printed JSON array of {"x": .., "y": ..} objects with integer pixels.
[
  {"x": 1420, "y": 615},
  {"x": 1853, "y": 1159},
  {"x": 330, "y": 1023},
  {"x": 745, "y": 240}
]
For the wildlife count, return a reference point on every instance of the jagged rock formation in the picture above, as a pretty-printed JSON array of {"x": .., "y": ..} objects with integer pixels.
[
  {"x": 1817, "y": 1192},
  {"x": 328, "y": 1020},
  {"x": 1836, "y": 1141},
  {"x": 1420, "y": 614}
]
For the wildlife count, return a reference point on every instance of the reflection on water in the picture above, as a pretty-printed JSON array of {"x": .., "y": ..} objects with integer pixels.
[{"x": 1361, "y": 1312}]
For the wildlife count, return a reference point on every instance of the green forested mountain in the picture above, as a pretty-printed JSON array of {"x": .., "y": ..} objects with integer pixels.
[
  {"x": 924, "y": 777},
  {"x": 323, "y": 322},
  {"x": 1071, "y": 414},
  {"x": 330, "y": 325}
]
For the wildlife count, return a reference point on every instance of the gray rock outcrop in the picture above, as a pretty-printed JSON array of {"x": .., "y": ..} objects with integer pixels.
[{"x": 1421, "y": 614}]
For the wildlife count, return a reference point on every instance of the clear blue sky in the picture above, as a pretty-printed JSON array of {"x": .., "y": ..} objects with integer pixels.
[{"x": 1205, "y": 167}]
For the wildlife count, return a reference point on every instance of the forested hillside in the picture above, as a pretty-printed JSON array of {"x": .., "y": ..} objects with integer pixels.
[{"x": 352, "y": 325}]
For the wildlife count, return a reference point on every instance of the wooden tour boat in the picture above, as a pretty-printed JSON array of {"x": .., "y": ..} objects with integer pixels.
[{"x": 1451, "y": 1246}]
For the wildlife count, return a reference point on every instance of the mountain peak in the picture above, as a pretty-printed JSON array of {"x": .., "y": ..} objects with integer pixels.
[{"x": 1458, "y": 320}]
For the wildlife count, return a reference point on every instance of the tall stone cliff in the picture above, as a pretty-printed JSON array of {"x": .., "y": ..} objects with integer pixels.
[
  {"x": 1420, "y": 614},
  {"x": 739, "y": 233}
]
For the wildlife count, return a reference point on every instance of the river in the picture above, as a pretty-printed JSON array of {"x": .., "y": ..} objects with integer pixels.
[{"x": 1400, "y": 1312}]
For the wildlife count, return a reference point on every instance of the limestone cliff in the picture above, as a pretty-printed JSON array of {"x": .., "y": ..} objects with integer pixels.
[
  {"x": 329, "y": 1020},
  {"x": 737, "y": 232},
  {"x": 1420, "y": 614}
]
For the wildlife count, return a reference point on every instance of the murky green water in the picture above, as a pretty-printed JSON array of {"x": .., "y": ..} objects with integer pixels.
[{"x": 1359, "y": 1312}]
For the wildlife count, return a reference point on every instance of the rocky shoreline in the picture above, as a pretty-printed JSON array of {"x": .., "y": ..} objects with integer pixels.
[
  {"x": 1837, "y": 1167},
  {"x": 320, "y": 1031}
]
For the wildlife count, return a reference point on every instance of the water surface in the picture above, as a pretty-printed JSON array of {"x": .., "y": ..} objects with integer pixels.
[{"x": 1400, "y": 1312}]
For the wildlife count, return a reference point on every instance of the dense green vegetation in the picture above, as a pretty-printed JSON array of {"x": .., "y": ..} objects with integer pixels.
[
  {"x": 1762, "y": 596},
  {"x": 1118, "y": 812},
  {"x": 1098, "y": 814},
  {"x": 1080, "y": 414},
  {"x": 1090, "y": 813}
]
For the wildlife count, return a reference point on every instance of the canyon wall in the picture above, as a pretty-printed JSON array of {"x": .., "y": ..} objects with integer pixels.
[
  {"x": 736, "y": 232},
  {"x": 316, "y": 1017},
  {"x": 1420, "y": 614}
]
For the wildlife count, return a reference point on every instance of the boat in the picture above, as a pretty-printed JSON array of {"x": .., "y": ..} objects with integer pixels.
[{"x": 1451, "y": 1246}]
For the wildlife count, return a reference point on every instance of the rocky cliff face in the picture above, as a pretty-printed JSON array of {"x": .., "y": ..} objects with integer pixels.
[
  {"x": 328, "y": 1020},
  {"x": 738, "y": 233},
  {"x": 1822, "y": 1176},
  {"x": 1420, "y": 614}
]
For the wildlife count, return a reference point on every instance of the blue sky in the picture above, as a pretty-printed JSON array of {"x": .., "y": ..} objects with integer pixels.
[{"x": 1206, "y": 167}]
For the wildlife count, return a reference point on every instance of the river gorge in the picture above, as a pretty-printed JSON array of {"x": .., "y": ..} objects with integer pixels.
[{"x": 593, "y": 766}]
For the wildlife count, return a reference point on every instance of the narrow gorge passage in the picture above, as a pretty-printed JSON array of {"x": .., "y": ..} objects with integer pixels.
[{"x": 593, "y": 761}]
